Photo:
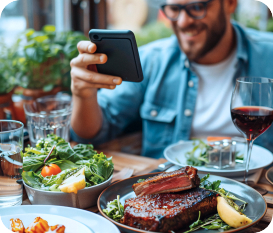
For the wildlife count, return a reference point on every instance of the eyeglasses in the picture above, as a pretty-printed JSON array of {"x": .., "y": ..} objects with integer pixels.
[{"x": 196, "y": 10}]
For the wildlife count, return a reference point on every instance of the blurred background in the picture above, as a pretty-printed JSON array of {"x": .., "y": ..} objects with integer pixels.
[
  {"x": 39, "y": 38},
  {"x": 140, "y": 16}
]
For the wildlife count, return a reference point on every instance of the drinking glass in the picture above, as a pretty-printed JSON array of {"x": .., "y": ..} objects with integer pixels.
[
  {"x": 252, "y": 110},
  {"x": 11, "y": 144},
  {"x": 48, "y": 115}
]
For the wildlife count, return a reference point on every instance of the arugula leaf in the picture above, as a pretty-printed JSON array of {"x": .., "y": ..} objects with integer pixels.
[
  {"x": 205, "y": 178},
  {"x": 55, "y": 188},
  {"x": 55, "y": 179},
  {"x": 201, "y": 159},
  {"x": 215, "y": 184},
  {"x": 206, "y": 222},
  {"x": 197, "y": 223},
  {"x": 114, "y": 209},
  {"x": 212, "y": 186},
  {"x": 87, "y": 184}
]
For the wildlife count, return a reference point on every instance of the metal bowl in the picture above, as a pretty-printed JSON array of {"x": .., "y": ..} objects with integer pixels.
[{"x": 85, "y": 198}]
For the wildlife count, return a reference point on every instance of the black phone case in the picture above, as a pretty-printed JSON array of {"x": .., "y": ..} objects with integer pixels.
[{"x": 122, "y": 52}]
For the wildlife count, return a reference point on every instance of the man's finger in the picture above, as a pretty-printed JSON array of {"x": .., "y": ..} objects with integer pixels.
[
  {"x": 81, "y": 85},
  {"x": 86, "y": 47},
  {"x": 84, "y": 59},
  {"x": 95, "y": 78}
]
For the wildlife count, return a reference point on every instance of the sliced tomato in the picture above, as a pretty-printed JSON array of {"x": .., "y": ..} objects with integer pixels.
[{"x": 51, "y": 169}]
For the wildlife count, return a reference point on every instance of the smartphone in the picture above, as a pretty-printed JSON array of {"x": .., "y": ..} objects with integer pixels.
[{"x": 121, "y": 49}]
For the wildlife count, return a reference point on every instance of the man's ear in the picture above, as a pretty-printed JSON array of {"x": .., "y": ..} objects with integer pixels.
[{"x": 230, "y": 6}]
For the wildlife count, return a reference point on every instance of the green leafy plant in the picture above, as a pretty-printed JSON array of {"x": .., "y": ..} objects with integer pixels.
[
  {"x": 151, "y": 32},
  {"x": 270, "y": 25},
  {"x": 7, "y": 69},
  {"x": 43, "y": 57}
]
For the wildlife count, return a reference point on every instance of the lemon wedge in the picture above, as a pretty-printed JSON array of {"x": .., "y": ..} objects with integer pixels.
[
  {"x": 229, "y": 215},
  {"x": 73, "y": 185}
]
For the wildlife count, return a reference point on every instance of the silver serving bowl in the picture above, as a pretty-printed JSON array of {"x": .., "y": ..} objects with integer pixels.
[{"x": 85, "y": 198}]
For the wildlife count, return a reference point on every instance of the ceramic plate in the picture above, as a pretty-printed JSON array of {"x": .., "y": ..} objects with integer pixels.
[
  {"x": 255, "y": 210},
  {"x": 86, "y": 220},
  {"x": 177, "y": 151}
]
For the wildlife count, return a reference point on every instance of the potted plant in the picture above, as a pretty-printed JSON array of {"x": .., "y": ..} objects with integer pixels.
[
  {"x": 7, "y": 78},
  {"x": 43, "y": 59},
  {"x": 43, "y": 64}
]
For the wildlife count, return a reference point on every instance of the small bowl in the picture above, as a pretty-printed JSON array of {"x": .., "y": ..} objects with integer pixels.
[{"x": 85, "y": 198}]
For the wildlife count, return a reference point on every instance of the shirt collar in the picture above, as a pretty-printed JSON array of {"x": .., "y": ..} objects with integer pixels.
[{"x": 241, "y": 45}]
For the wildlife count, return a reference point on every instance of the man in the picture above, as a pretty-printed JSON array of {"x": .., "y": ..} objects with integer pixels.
[{"x": 188, "y": 80}]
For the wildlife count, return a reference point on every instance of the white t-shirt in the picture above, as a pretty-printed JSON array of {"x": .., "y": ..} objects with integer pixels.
[{"x": 212, "y": 111}]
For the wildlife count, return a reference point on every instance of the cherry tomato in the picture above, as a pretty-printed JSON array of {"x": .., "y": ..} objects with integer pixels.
[{"x": 51, "y": 169}]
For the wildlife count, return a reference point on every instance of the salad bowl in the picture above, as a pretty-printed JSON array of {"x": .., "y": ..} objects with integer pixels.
[
  {"x": 85, "y": 198},
  {"x": 54, "y": 173}
]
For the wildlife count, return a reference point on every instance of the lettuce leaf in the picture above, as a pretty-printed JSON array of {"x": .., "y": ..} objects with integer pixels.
[
  {"x": 33, "y": 163},
  {"x": 33, "y": 180}
]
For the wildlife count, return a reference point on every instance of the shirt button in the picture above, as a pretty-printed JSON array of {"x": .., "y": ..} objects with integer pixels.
[
  {"x": 153, "y": 113},
  {"x": 191, "y": 83},
  {"x": 187, "y": 112},
  {"x": 187, "y": 63}
]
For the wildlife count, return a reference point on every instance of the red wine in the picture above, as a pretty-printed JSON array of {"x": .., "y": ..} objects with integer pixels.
[{"x": 251, "y": 120}]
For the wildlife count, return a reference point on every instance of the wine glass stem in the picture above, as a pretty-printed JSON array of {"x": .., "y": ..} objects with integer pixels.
[{"x": 249, "y": 149}]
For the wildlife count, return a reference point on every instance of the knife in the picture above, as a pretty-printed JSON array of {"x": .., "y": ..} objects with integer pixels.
[{"x": 162, "y": 167}]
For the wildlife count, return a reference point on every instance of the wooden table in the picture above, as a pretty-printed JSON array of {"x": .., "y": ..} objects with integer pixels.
[{"x": 143, "y": 165}]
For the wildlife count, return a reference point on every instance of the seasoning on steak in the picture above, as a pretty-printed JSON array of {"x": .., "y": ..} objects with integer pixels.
[
  {"x": 166, "y": 182},
  {"x": 168, "y": 211}
]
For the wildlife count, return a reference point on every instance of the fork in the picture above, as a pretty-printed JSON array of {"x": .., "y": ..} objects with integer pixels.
[{"x": 123, "y": 174}]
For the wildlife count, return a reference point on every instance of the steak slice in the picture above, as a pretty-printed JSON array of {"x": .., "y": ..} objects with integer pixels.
[
  {"x": 166, "y": 182},
  {"x": 168, "y": 211}
]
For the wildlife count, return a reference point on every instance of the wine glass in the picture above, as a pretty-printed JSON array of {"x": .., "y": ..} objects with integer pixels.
[{"x": 252, "y": 110}]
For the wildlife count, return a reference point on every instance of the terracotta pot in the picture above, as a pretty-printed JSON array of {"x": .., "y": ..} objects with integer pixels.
[
  {"x": 6, "y": 103},
  {"x": 37, "y": 93},
  {"x": 29, "y": 95}
]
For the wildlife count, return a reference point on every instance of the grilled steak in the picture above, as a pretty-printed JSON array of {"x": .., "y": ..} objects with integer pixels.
[
  {"x": 166, "y": 182},
  {"x": 168, "y": 211}
]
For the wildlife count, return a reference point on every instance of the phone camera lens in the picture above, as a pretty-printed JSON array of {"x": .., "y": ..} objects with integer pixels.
[{"x": 95, "y": 37}]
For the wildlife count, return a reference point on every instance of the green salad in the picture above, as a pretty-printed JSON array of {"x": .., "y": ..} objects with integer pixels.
[
  {"x": 198, "y": 156},
  {"x": 82, "y": 159}
]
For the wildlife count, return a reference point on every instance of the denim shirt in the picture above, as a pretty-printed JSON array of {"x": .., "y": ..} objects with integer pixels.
[{"x": 165, "y": 99}]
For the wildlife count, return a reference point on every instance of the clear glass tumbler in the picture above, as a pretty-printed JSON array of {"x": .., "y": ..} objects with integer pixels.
[
  {"x": 11, "y": 144},
  {"x": 48, "y": 116}
]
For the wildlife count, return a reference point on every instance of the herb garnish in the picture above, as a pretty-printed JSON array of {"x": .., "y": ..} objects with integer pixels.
[
  {"x": 114, "y": 209},
  {"x": 201, "y": 158},
  {"x": 215, "y": 222}
]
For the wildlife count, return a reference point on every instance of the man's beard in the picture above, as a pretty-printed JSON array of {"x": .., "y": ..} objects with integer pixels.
[{"x": 213, "y": 37}]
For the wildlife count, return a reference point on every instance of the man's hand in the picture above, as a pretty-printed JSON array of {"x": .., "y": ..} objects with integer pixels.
[{"x": 85, "y": 80}]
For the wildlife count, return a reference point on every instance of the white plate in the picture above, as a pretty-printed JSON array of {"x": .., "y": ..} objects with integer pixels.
[
  {"x": 260, "y": 158},
  {"x": 71, "y": 226},
  {"x": 91, "y": 221}
]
